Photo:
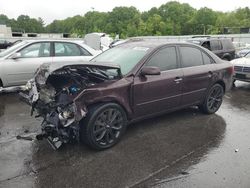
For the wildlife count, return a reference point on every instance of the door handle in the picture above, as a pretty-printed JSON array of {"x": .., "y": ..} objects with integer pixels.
[
  {"x": 210, "y": 74},
  {"x": 178, "y": 79}
]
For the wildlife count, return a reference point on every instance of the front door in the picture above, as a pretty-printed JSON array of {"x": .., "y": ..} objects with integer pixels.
[{"x": 158, "y": 93}]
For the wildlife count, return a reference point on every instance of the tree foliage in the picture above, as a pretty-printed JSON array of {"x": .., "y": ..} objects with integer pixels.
[{"x": 172, "y": 18}]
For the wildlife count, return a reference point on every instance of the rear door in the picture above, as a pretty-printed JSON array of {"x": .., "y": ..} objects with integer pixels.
[
  {"x": 19, "y": 71},
  {"x": 70, "y": 52},
  {"x": 157, "y": 93},
  {"x": 197, "y": 69},
  {"x": 216, "y": 47}
]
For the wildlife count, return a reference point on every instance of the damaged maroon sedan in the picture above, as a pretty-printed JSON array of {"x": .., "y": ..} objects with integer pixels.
[{"x": 94, "y": 101}]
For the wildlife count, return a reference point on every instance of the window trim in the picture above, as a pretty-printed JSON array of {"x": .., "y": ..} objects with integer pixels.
[
  {"x": 18, "y": 51},
  {"x": 211, "y": 59},
  {"x": 195, "y": 47},
  {"x": 77, "y": 45},
  {"x": 157, "y": 51}
]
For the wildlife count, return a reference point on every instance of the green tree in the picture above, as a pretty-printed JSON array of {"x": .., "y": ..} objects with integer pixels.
[
  {"x": 120, "y": 18},
  {"x": 204, "y": 19},
  {"x": 178, "y": 15}
]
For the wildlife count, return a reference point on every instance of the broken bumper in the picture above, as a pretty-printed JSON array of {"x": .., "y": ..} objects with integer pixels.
[{"x": 60, "y": 123}]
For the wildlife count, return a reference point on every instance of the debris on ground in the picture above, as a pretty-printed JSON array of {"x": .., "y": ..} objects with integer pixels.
[
  {"x": 24, "y": 138},
  {"x": 236, "y": 150}
]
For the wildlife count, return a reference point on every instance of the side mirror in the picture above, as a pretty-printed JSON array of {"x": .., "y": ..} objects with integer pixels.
[
  {"x": 16, "y": 55},
  {"x": 150, "y": 71}
]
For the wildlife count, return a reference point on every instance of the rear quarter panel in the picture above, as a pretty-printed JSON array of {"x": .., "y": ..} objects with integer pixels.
[{"x": 223, "y": 72}]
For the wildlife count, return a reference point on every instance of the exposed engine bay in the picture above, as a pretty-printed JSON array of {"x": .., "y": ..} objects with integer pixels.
[{"x": 53, "y": 95}]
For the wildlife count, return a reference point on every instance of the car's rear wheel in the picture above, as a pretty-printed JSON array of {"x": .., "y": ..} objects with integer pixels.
[
  {"x": 213, "y": 99},
  {"x": 103, "y": 126},
  {"x": 227, "y": 58},
  {"x": 233, "y": 84},
  {"x": 1, "y": 83}
]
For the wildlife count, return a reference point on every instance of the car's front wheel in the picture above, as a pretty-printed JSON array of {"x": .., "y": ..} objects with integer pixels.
[
  {"x": 103, "y": 126},
  {"x": 213, "y": 99}
]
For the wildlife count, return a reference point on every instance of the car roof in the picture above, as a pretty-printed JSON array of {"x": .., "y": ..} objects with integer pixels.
[
  {"x": 202, "y": 39},
  {"x": 79, "y": 42},
  {"x": 53, "y": 40},
  {"x": 150, "y": 43}
]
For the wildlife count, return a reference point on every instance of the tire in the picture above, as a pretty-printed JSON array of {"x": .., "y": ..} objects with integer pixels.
[
  {"x": 213, "y": 99},
  {"x": 233, "y": 84},
  {"x": 227, "y": 58},
  {"x": 104, "y": 126},
  {"x": 1, "y": 83}
]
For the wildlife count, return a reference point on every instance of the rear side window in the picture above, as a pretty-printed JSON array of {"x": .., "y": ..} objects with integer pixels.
[
  {"x": 68, "y": 49},
  {"x": 215, "y": 45},
  {"x": 206, "y": 59},
  {"x": 165, "y": 59},
  {"x": 190, "y": 56}
]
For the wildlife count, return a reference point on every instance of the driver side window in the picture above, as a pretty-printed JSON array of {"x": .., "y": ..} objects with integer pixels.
[
  {"x": 36, "y": 50},
  {"x": 165, "y": 59}
]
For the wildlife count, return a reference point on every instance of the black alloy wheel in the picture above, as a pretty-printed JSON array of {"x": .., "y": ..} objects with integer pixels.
[
  {"x": 104, "y": 126},
  {"x": 213, "y": 100}
]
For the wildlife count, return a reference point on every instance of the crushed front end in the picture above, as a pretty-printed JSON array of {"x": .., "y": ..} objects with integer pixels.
[{"x": 54, "y": 95}]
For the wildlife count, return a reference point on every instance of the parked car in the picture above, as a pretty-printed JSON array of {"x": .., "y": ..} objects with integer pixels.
[
  {"x": 242, "y": 52},
  {"x": 95, "y": 101},
  {"x": 222, "y": 47},
  {"x": 242, "y": 68},
  {"x": 4, "y": 44},
  {"x": 19, "y": 62}
]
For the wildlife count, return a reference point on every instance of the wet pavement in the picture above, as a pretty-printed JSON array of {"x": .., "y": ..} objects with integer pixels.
[{"x": 181, "y": 149}]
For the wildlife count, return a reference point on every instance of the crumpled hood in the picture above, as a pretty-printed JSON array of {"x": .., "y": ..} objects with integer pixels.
[{"x": 46, "y": 69}]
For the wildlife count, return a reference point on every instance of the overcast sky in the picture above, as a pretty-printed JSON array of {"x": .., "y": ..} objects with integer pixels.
[{"x": 50, "y": 10}]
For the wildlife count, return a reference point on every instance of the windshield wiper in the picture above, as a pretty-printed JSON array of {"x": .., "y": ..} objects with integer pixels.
[{"x": 99, "y": 71}]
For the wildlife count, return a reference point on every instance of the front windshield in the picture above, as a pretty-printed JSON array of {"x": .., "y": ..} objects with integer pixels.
[
  {"x": 126, "y": 58},
  {"x": 247, "y": 55},
  {"x": 13, "y": 48}
]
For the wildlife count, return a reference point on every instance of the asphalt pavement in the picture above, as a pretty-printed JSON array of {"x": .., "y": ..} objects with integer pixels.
[{"x": 181, "y": 149}]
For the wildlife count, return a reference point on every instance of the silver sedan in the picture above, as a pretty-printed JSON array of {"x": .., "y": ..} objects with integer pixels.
[{"x": 19, "y": 63}]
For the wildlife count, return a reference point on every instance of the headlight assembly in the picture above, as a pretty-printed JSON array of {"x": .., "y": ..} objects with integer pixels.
[{"x": 67, "y": 116}]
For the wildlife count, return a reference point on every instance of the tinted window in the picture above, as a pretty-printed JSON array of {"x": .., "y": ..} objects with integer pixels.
[
  {"x": 191, "y": 57},
  {"x": 36, "y": 50},
  {"x": 215, "y": 45},
  {"x": 67, "y": 49},
  {"x": 206, "y": 59},
  {"x": 206, "y": 45},
  {"x": 165, "y": 59}
]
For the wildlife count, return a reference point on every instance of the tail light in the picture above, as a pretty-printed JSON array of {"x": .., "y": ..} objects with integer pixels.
[{"x": 230, "y": 70}]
